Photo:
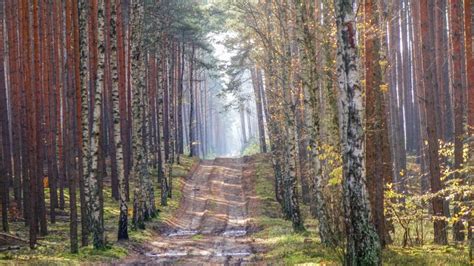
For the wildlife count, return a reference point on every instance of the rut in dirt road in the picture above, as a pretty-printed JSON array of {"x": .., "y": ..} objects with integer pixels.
[{"x": 212, "y": 223}]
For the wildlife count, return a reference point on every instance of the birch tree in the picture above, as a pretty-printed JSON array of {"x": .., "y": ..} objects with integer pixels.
[
  {"x": 362, "y": 247},
  {"x": 138, "y": 76},
  {"x": 96, "y": 212}
]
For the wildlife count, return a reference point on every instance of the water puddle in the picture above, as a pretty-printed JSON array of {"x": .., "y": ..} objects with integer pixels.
[
  {"x": 175, "y": 254},
  {"x": 235, "y": 233},
  {"x": 183, "y": 233},
  {"x": 233, "y": 254},
  {"x": 168, "y": 254}
]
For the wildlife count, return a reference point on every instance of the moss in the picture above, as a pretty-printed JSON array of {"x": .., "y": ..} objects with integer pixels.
[{"x": 197, "y": 237}]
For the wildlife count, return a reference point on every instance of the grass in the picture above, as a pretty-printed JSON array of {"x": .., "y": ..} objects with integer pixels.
[
  {"x": 54, "y": 248},
  {"x": 252, "y": 147},
  {"x": 277, "y": 236},
  {"x": 286, "y": 247}
]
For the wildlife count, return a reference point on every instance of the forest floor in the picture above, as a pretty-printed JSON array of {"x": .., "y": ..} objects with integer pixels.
[
  {"x": 222, "y": 212},
  {"x": 53, "y": 249}
]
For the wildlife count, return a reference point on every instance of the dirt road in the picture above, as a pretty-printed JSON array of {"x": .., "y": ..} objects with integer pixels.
[{"x": 212, "y": 225}]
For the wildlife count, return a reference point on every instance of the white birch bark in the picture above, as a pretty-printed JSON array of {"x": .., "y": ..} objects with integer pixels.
[
  {"x": 123, "y": 217},
  {"x": 362, "y": 247},
  {"x": 139, "y": 169},
  {"x": 96, "y": 211}
]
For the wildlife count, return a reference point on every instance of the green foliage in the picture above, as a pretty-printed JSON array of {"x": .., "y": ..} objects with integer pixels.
[
  {"x": 410, "y": 211},
  {"x": 251, "y": 147}
]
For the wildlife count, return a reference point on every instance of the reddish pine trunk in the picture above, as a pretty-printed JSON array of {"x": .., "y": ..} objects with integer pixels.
[
  {"x": 38, "y": 58},
  {"x": 456, "y": 34},
  {"x": 377, "y": 149},
  {"x": 469, "y": 63},
  {"x": 11, "y": 9},
  {"x": 427, "y": 32},
  {"x": 71, "y": 121},
  {"x": 29, "y": 105},
  {"x": 49, "y": 105}
]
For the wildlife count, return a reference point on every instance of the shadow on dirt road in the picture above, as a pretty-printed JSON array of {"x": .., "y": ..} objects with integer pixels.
[{"x": 212, "y": 224}]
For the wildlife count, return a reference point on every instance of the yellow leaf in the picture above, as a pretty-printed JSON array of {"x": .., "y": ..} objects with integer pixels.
[{"x": 383, "y": 88}]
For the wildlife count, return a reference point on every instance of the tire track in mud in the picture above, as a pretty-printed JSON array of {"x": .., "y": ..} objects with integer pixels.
[{"x": 211, "y": 226}]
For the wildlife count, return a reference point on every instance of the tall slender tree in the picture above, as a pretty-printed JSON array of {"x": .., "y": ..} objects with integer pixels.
[
  {"x": 96, "y": 212},
  {"x": 362, "y": 247},
  {"x": 456, "y": 34},
  {"x": 427, "y": 31},
  {"x": 375, "y": 119},
  {"x": 5, "y": 159},
  {"x": 138, "y": 77}
]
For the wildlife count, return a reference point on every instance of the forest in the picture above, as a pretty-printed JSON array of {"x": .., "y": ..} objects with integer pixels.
[{"x": 237, "y": 132}]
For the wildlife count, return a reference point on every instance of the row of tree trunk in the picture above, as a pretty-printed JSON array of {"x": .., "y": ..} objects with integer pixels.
[
  {"x": 88, "y": 105},
  {"x": 415, "y": 90}
]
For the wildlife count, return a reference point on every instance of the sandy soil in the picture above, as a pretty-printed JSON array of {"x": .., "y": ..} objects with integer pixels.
[{"x": 212, "y": 226}]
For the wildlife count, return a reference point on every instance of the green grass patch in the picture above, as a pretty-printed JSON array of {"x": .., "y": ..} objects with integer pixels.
[
  {"x": 277, "y": 236},
  {"x": 426, "y": 255},
  {"x": 197, "y": 237}
]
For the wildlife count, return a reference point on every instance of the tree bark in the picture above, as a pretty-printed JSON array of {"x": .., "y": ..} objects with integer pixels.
[
  {"x": 456, "y": 34},
  {"x": 376, "y": 136},
  {"x": 138, "y": 77},
  {"x": 84, "y": 17},
  {"x": 426, "y": 16},
  {"x": 5, "y": 160},
  {"x": 95, "y": 215},
  {"x": 362, "y": 247}
]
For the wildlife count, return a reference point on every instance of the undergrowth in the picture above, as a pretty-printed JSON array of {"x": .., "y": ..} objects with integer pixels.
[
  {"x": 53, "y": 249},
  {"x": 286, "y": 247}
]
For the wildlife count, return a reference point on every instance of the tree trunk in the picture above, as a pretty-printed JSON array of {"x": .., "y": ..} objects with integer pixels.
[
  {"x": 192, "y": 122},
  {"x": 376, "y": 137},
  {"x": 456, "y": 34},
  {"x": 84, "y": 17},
  {"x": 363, "y": 247},
  {"x": 426, "y": 16},
  {"x": 138, "y": 76},
  {"x": 258, "y": 104},
  {"x": 69, "y": 117},
  {"x": 38, "y": 58},
  {"x": 5, "y": 160},
  {"x": 14, "y": 63},
  {"x": 469, "y": 68},
  {"x": 95, "y": 215}
]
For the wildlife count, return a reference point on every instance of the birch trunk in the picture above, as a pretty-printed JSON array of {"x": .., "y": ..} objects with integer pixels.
[
  {"x": 362, "y": 246},
  {"x": 138, "y": 76},
  {"x": 85, "y": 100},
  {"x": 96, "y": 216}
]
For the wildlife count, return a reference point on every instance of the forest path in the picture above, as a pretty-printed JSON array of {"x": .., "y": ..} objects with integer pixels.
[{"x": 212, "y": 224}]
